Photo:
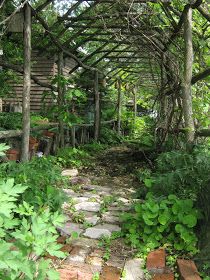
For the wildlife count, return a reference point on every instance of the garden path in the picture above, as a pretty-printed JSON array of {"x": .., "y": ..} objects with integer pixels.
[{"x": 98, "y": 196}]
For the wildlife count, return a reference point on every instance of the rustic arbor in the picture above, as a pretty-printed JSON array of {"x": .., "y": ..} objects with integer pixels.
[{"x": 128, "y": 44}]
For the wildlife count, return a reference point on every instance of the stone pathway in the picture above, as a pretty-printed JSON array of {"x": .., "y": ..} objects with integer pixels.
[{"x": 93, "y": 212}]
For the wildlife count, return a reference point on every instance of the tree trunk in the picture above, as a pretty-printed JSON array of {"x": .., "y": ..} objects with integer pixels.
[
  {"x": 119, "y": 112},
  {"x": 97, "y": 108},
  {"x": 26, "y": 83},
  {"x": 60, "y": 99},
  {"x": 187, "y": 92}
]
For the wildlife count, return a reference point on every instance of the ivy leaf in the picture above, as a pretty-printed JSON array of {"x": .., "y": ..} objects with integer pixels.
[
  {"x": 190, "y": 221},
  {"x": 148, "y": 182},
  {"x": 147, "y": 220},
  {"x": 164, "y": 218}
]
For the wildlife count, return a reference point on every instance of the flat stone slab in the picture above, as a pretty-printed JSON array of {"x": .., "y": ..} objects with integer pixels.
[
  {"x": 97, "y": 233},
  {"x": 78, "y": 254},
  {"x": 70, "y": 172},
  {"x": 70, "y": 193},
  {"x": 109, "y": 227},
  {"x": 69, "y": 228},
  {"x": 89, "y": 187},
  {"x": 85, "y": 242},
  {"x": 93, "y": 220},
  {"x": 88, "y": 206},
  {"x": 80, "y": 180},
  {"x": 110, "y": 219},
  {"x": 81, "y": 199},
  {"x": 91, "y": 195},
  {"x": 116, "y": 261},
  {"x": 133, "y": 270}
]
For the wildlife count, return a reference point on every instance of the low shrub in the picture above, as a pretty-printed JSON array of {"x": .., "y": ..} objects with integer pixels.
[
  {"x": 109, "y": 136},
  {"x": 185, "y": 174},
  {"x": 26, "y": 235},
  {"x": 165, "y": 221},
  {"x": 73, "y": 157},
  {"x": 43, "y": 178}
]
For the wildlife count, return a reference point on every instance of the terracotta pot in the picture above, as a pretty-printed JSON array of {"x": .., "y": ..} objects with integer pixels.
[
  {"x": 48, "y": 133},
  {"x": 33, "y": 143},
  {"x": 13, "y": 154}
]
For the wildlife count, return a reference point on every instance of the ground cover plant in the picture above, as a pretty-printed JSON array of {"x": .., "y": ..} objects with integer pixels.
[{"x": 164, "y": 221}]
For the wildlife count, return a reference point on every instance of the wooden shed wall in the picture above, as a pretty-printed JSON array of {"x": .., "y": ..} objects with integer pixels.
[{"x": 44, "y": 69}]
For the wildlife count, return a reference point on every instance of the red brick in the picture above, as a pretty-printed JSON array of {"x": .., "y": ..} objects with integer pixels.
[
  {"x": 110, "y": 273},
  {"x": 188, "y": 270},
  {"x": 84, "y": 276},
  {"x": 75, "y": 272},
  {"x": 156, "y": 260},
  {"x": 66, "y": 274},
  {"x": 164, "y": 276}
]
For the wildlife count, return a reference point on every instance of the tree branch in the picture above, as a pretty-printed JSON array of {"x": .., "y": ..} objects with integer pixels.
[{"x": 200, "y": 76}]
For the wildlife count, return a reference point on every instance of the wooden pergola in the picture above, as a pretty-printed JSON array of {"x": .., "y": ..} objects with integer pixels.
[{"x": 126, "y": 41}]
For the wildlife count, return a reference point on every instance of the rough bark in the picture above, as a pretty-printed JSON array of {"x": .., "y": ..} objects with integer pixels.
[
  {"x": 97, "y": 108},
  {"x": 119, "y": 111},
  {"x": 60, "y": 98},
  {"x": 188, "y": 63},
  {"x": 26, "y": 83}
]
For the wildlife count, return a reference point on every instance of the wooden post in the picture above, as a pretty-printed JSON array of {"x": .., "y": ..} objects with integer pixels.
[
  {"x": 135, "y": 103},
  {"x": 119, "y": 111},
  {"x": 73, "y": 136},
  {"x": 26, "y": 83},
  {"x": 97, "y": 108},
  {"x": 187, "y": 92},
  {"x": 60, "y": 98}
]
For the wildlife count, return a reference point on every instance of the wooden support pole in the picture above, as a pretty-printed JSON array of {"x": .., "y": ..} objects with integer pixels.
[
  {"x": 26, "y": 83},
  {"x": 187, "y": 91},
  {"x": 97, "y": 108},
  {"x": 119, "y": 111},
  {"x": 73, "y": 136},
  {"x": 135, "y": 103},
  {"x": 60, "y": 98}
]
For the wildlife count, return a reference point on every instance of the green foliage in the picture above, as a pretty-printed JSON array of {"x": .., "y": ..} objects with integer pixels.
[
  {"x": 14, "y": 120},
  {"x": 142, "y": 130},
  {"x": 162, "y": 222},
  {"x": 42, "y": 176},
  {"x": 109, "y": 137},
  {"x": 11, "y": 120},
  {"x": 94, "y": 148},
  {"x": 185, "y": 175},
  {"x": 3, "y": 149},
  {"x": 26, "y": 236},
  {"x": 73, "y": 157}
]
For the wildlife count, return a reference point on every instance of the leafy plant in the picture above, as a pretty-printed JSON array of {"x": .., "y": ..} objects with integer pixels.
[
  {"x": 26, "y": 236},
  {"x": 3, "y": 149},
  {"x": 109, "y": 137},
  {"x": 42, "y": 176},
  {"x": 161, "y": 221},
  {"x": 185, "y": 175},
  {"x": 73, "y": 157}
]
